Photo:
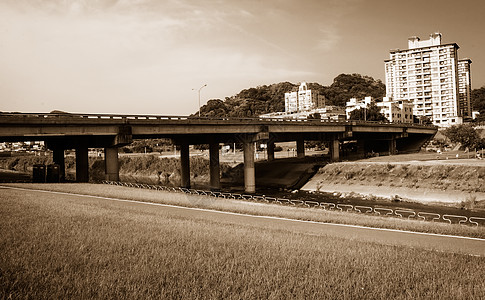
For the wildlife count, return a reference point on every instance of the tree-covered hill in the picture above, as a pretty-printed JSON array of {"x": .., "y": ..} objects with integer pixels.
[
  {"x": 271, "y": 98},
  {"x": 346, "y": 86}
]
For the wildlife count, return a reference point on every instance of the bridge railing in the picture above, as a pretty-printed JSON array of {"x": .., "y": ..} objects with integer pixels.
[{"x": 193, "y": 119}]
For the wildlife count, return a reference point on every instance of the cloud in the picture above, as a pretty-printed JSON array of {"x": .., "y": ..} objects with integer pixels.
[
  {"x": 328, "y": 38},
  {"x": 127, "y": 56}
]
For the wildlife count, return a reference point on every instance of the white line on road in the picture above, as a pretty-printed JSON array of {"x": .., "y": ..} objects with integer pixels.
[{"x": 247, "y": 215}]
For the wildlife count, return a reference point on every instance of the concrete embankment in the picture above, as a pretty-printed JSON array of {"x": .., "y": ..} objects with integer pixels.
[{"x": 423, "y": 181}]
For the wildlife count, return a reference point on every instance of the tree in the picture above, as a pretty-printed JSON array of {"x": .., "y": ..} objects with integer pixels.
[
  {"x": 371, "y": 113},
  {"x": 478, "y": 101},
  {"x": 346, "y": 86},
  {"x": 464, "y": 134},
  {"x": 213, "y": 108}
]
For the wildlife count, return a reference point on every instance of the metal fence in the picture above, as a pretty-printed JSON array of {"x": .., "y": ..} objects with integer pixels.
[{"x": 369, "y": 210}]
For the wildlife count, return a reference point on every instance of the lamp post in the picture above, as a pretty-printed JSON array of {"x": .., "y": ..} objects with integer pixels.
[{"x": 199, "y": 96}]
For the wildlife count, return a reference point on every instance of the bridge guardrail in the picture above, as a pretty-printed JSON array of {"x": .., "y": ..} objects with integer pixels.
[
  {"x": 125, "y": 118},
  {"x": 380, "y": 211}
]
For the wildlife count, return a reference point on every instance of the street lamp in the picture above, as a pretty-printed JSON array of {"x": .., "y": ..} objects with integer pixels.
[{"x": 199, "y": 96}]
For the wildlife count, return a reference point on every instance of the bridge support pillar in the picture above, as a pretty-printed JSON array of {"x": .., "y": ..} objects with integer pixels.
[
  {"x": 300, "y": 148},
  {"x": 392, "y": 146},
  {"x": 249, "y": 173},
  {"x": 214, "y": 166},
  {"x": 361, "y": 148},
  {"x": 270, "y": 150},
  {"x": 58, "y": 158},
  {"x": 184, "y": 165},
  {"x": 111, "y": 164},
  {"x": 82, "y": 164},
  {"x": 334, "y": 147}
]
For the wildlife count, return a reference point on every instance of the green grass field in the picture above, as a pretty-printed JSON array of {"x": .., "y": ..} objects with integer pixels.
[{"x": 69, "y": 249}]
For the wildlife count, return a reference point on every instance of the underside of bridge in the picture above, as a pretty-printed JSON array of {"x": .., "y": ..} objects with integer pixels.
[{"x": 340, "y": 146}]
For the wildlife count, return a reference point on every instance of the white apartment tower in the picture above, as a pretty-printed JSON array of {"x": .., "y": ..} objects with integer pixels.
[
  {"x": 303, "y": 100},
  {"x": 429, "y": 75}
]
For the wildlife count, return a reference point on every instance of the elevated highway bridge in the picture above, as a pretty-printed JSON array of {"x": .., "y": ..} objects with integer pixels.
[{"x": 62, "y": 132}]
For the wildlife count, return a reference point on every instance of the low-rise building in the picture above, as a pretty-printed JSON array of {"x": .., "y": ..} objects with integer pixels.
[
  {"x": 354, "y": 104},
  {"x": 400, "y": 111},
  {"x": 475, "y": 114},
  {"x": 396, "y": 111}
]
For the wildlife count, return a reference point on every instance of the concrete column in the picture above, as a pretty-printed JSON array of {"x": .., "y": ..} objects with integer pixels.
[
  {"x": 82, "y": 164},
  {"x": 58, "y": 158},
  {"x": 111, "y": 164},
  {"x": 361, "y": 148},
  {"x": 184, "y": 165},
  {"x": 392, "y": 146},
  {"x": 334, "y": 146},
  {"x": 214, "y": 167},
  {"x": 270, "y": 150},
  {"x": 249, "y": 174},
  {"x": 300, "y": 148}
]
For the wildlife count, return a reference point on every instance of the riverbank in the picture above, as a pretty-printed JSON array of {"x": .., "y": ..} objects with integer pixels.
[{"x": 451, "y": 181}]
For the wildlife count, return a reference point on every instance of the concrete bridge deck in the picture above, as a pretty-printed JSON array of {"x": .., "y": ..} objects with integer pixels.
[{"x": 82, "y": 131}]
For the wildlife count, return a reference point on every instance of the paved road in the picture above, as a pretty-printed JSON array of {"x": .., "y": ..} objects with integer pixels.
[{"x": 454, "y": 244}]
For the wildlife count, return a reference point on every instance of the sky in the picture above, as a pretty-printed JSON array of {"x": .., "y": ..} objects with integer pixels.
[{"x": 153, "y": 56}]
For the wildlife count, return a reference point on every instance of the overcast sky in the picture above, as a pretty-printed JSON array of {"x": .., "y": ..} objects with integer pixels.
[{"x": 147, "y": 56}]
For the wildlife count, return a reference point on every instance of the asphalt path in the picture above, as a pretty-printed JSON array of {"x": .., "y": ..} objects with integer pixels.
[{"x": 435, "y": 242}]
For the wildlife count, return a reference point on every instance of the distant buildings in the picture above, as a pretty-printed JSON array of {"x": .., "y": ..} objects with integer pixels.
[
  {"x": 354, "y": 104},
  {"x": 329, "y": 112},
  {"x": 22, "y": 146},
  {"x": 395, "y": 111},
  {"x": 475, "y": 114},
  {"x": 307, "y": 104},
  {"x": 430, "y": 75},
  {"x": 303, "y": 100}
]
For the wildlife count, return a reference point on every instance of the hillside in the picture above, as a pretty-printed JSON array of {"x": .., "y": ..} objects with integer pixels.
[{"x": 271, "y": 98}]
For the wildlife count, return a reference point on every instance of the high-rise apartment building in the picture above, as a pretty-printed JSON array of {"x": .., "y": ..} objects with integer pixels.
[
  {"x": 429, "y": 75},
  {"x": 465, "y": 87}
]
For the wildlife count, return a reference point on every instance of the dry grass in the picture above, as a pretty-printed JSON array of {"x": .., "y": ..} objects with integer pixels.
[
  {"x": 76, "y": 249},
  {"x": 440, "y": 177},
  {"x": 299, "y": 213}
]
